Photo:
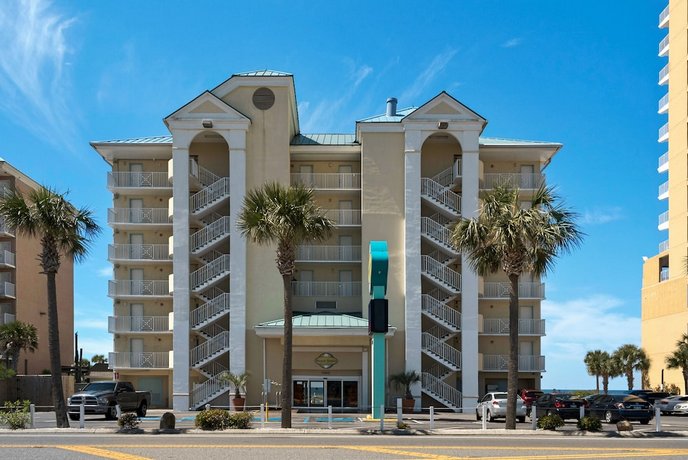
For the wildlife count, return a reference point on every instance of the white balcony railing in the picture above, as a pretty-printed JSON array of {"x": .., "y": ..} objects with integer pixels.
[
  {"x": 663, "y": 246},
  {"x": 664, "y": 46},
  {"x": 138, "y": 216},
  {"x": 663, "y": 191},
  {"x": 326, "y": 288},
  {"x": 500, "y": 326},
  {"x": 7, "y": 258},
  {"x": 328, "y": 181},
  {"x": 157, "y": 252},
  {"x": 663, "y": 133},
  {"x": 5, "y": 229},
  {"x": 663, "y": 104},
  {"x": 527, "y": 363},
  {"x": 531, "y": 181},
  {"x": 664, "y": 274},
  {"x": 344, "y": 217},
  {"x": 322, "y": 253},
  {"x": 7, "y": 289},
  {"x": 138, "y": 324},
  {"x": 664, "y": 220},
  {"x": 663, "y": 163},
  {"x": 495, "y": 290},
  {"x": 143, "y": 180},
  {"x": 663, "y": 75},
  {"x": 664, "y": 18},
  {"x": 138, "y": 288},
  {"x": 139, "y": 360}
]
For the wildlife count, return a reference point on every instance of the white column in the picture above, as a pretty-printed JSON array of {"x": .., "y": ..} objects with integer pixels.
[
  {"x": 469, "y": 287},
  {"x": 412, "y": 254},
  {"x": 180, "y": 266},
  {"x": 237, "y": 278},
  {"x": 365, "y": 379}
]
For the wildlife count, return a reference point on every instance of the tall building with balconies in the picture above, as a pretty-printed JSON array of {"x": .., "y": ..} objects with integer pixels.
[
  {"x": 191, "y": 298},
  {"x": 23, "y": 291},
  {"x": 664, "y": 291}
]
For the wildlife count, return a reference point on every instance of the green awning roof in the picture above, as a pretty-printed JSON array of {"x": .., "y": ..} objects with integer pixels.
[{"x": 320, "y": 321}]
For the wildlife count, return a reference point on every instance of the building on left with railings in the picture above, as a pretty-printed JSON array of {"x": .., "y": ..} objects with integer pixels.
[{"x": 23, "y": 291}]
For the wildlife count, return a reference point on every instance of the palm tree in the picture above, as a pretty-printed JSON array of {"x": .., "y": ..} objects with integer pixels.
[
  {"x": 64, "y": 231},
  {"x": 645, "y": 372},
  {"x": 286, "y": 217},
  {"x": 405, "y": 380},
  {"x": 593, "y": 363},
  {"x": 609, "y": 369},
  {"x": 99, "y": 359},
  {"x": 629, "y": 358},
  {"x": 15, "y": 337},
  {"x": 678, "y": 359},
  {"x": 505, "y": 236}
]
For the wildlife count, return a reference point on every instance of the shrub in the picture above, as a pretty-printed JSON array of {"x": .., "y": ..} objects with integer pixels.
[
  {"x": 240, "y": 420},
  {"x": 588, "y": 423},
  {"x": 550, "y": 422},
  {"x": 128, "y": 421},
  {"x": 16, "y": 414},
  {"x": 213, "y": 419}
]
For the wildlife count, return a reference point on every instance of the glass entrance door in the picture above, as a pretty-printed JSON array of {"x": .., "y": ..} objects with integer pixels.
[{"x": 318, "y": 392}]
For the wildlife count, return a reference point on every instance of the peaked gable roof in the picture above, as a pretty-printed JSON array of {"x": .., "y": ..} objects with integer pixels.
[
  {"x": 204, "y": 104},
  {"x": 445, "y": 106}
]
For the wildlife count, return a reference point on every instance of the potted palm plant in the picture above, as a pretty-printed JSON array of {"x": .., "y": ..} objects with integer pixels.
[
  {"x": 405, "y": 380},
  {"x": 239, "y": 383}
]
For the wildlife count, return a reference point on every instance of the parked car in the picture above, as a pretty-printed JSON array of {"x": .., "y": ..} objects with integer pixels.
[
  {"x": 649, "y": 395},
  {"x": 588, "y": 400},
  {"x": 612, "y": 408},
  {"x": 566, "y": 405},
  {"x": 495, "y": 407},
  {"x": 103, "y": 397},
  {"x": 681, "y": 408},
  {"x": 666, "y": 405},
  {"x": 528, "y": 397}
]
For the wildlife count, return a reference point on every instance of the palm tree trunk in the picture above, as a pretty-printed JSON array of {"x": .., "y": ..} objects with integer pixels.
[
  {"x": 629, "y": 379},
  {"x": 287, "y": 361},
  {"x": 512, "y": 368},
  {"x": 597, "y": 383},
  {"x": 54, "y": 348},
  {"x": 685, "y": 380},
  {"x": 605, "y": 383}
]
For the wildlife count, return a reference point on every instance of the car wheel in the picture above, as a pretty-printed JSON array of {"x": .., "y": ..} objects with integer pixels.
[
  {"x": 490, "y": 418},
  {"x": 645, "y": 421},
  {"x": 73, "y": 416},
  {"x": 521, "y": 419},
  {"x": 608, "y": 417},
  {"x": 111, "y": 413},
  {"x": 143, "y": 408}
]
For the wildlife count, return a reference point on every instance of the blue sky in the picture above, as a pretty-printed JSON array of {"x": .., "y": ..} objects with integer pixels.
[{"x": 581, "y": 73}]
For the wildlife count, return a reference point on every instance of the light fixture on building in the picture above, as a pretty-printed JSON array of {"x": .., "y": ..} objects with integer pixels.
[
  {"x": 442, "y": 124},
  {"x": 207, "y": 123}
]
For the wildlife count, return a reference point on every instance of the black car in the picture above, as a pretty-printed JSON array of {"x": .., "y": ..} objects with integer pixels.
[
  {"x": 567, "y": 406},
  {"x": 649, "y": 395},
  {"x": 612, "y": 408}
]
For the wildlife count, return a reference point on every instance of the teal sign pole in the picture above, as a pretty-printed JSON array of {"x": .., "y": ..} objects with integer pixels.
[{"x": 378, "y": 263}]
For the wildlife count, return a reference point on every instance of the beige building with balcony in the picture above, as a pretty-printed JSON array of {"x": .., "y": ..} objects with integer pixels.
[
  {"x": 192, "y": 298},
  {"x": 23, "y": 291},
  {"x": 665, "y": 291}
]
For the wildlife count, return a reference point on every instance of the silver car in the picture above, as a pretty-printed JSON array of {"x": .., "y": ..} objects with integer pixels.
[
  {"x": 680, "y": 408},
  {"x": 495, "y": 407},
  {"x": 667, "y": 405}
]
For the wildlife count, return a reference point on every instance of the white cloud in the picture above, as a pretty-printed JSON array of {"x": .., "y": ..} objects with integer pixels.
[
  {"x": 512, "y": 42},
  {"x": 34, "y": 90},
  {"x": 95, "y": 345},
  {"x": 601, "y": 216},
  {"x": 105, "y": 272},
  {"x": 436, "y": 66}
]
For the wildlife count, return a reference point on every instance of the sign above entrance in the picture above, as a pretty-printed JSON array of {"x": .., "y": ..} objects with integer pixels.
[{"x": 326, "y": 360}]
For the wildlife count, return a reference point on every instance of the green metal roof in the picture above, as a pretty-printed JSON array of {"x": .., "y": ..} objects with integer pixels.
[
  {"x": 139, "y": 140},
  {"x": 495, "y": 141},
  {"x": 320, "y": 322},
  {"x": 263, "y": 73},
  {"x": 400, "y": 115},
  {"x": 324, "y": 139}
]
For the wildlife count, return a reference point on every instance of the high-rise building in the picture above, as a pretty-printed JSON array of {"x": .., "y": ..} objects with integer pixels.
[
  {"x": 23, "y": 289},
  {"x": 664, "y": 292},
  {"x": 193, "y": 298}
]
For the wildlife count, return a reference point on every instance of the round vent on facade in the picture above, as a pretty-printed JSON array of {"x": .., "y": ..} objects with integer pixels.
[{"x": 263, "y": 98}]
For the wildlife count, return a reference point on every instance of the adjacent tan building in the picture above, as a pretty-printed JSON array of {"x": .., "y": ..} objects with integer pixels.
[
  {"x": 23, "y": 290},
  {"x": 191, "y": 298},
  {"x": 665, "y": 292}
]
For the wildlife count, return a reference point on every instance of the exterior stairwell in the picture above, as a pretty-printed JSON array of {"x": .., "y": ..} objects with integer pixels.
[
  {"x": 437, "y": 233},
  {"x": 213, "y": 309},
  {"x": 441, "y": 313},
  {"x": 433, "y": 344},
  {"x": 211, "y": 273},
  {"x": 205, "y": 392},
  {"x": 438, "y": 273},
  {"x": 440, "y": 196},
  {"x": 215, "y": 232},
  {"x": 209, "y": 196},
  {"x": 437, "y": 389}
]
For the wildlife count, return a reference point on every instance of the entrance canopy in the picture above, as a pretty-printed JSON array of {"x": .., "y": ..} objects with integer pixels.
[{"x": 318, "y": 325}]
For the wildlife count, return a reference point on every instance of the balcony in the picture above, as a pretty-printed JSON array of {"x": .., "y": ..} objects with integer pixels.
[
  {"x": 514, "y": 180},
  {"x": 494, "y": 290},
  {"x": 663, "y": 75},
  {"x": 137, "y": 324},
  {"x": 664, "y": 18},
  {"x": 140, "y": 183},
  {"x": 138, "y": 218},
  {"x": 500, "y": 326},
  {"x": 663, "y": 134},
  {"x": 663, "y": 105},
  {"x": 7, "y": 290},
  {"x": 5, "y": 230},
  {"x": 663, "y": 191},
  {"x": 664, "y": 47},
  {"x": 344, "y": 217},
  {"x": 326, "y": 289},
  {"x": 139, "y": 360},
  {"x": 317, "y": 253},
  {"x": 7, "y": 259},
  {"x": 140, "y": 253},
  {"x": 663, "y": 246},
  {"x": 663, "y": 221},
  {"x": 526, "y": 363},
  {"x": 663, "y": 163},
  {"x": 144, "y": 289},
  {"x": 664, "y": 274},
  {"x": 328, "y": 181}
]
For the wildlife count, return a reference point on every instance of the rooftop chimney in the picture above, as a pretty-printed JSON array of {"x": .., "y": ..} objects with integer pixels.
[{"x": 391, "y": 107}]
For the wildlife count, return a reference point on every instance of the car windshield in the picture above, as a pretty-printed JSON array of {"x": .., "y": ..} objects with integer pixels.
[
  {"x": 631, "y": 398},
  {"x": 565, "y": 396},
  {"x": 500, "y": 396},
  {"x": 100, "y": 386}
]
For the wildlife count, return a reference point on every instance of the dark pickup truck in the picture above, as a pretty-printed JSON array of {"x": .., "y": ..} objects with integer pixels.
[{"x": 103, "y": 397}]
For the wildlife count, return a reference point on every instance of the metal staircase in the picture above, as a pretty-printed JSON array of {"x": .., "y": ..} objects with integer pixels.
[{"x": 442, "y": 287}]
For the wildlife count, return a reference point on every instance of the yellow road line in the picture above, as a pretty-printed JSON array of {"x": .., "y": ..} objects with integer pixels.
[
  {"x": 397, "y": 451},
  {"x": 101, "y": 452}
]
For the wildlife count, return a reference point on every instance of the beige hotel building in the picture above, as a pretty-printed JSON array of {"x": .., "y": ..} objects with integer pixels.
[
  {"x": 665, "y": 291},
  {"x": 192, "y": 298}
]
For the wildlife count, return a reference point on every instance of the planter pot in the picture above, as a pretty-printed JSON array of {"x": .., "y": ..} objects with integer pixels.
[
  {"x": 238, "y": 404},
  {"x": 407, "y": 405}
]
